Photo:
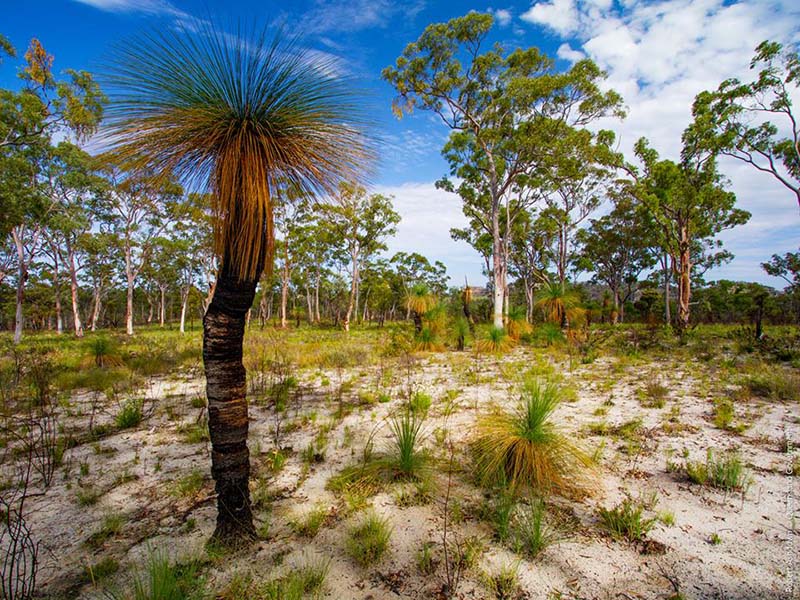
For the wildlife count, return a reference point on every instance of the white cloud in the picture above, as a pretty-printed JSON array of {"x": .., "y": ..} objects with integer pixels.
[
  {"x": 659, "y": 56},
  {"x": 142, "y": 6},
  {"x": 355, "y": 15},
  {"x": 567, "y": 52},
  {"x": 427, "y": 216},
  {"x": 559, "y": 15},
  {"x": 502, "y": 16}
]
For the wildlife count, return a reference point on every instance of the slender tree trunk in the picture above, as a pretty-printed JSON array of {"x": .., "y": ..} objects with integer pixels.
[
  {"x": 684, "y": 281},
  {"x": 22, "y": 277},
  {"x": 184, "y": 304},
  {"x": 129, "y": 298},
  {"x": 616, "y": 315},
  {"x": 223, "y": 334},
  {"x": 667, "y": 280},
  {"x": 162, "y": 307},
  {"x": 497, "y": 269},
  {"x": 316, "y": 296},
  {"x": 57, "y": 294},
  {"x": 353, "y": 291},
  {"x": 284, "y": 294},
  {"x": 309, "y": 305},
  {"x": 97, "y": 295},
  {"x": 73, "y": 285}
]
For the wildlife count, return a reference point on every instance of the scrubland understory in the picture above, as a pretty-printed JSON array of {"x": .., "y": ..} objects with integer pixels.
[{"x": 694, "y": 492}]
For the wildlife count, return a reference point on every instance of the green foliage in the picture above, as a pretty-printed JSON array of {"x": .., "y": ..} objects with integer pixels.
[
  {"x": 504, "y": 583},
  {"x": 310, "y": 523},
  {"x": 407, "y": 458},
  {"x": 420, "y": 403},
  {"x": 654, "y": 395},
  {"x": 627, "y": 520},
  {"x": 775, "y": 385},
  {"x": 188, "y": 485},
  {"x": 307, "y": 581},
  {"x": 725, "y": 471},
  {"x": 526, "y": 450},
  {"x": 496, "y": 341},
  {"x": 163, "y": 580},
  {"x": 111, "y": 527},
  {"x": 368, "y": 541},
  {"x": 130, "y": 415},
  {"x": 532, "y": 533}
]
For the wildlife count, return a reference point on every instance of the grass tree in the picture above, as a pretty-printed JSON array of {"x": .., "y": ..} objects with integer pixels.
[{"x": 235, "y": 114}]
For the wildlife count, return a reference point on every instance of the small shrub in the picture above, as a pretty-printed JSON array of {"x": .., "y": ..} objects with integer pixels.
[
  {"x": 626, "y": 520},
  {"x": 130, "y": 415},
  {"x": 774, "y": 385},
  {"x": 369, "y": 540},
  {"x": 725, "y": 472},
  {"x": 88, "y": 496},
  {"x": 426, "y": 562},
  {"x": 420, "y": 403}
]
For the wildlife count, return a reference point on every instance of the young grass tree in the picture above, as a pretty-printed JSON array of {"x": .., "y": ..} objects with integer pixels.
[
  {"x": 235, "y": 114},
  {"x": 507, "y": 112}
]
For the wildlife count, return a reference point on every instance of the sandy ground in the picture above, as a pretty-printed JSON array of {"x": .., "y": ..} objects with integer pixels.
[{"x": 133, "y": 472}]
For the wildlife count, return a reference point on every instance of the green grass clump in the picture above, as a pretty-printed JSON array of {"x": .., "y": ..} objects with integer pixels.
[
  {"x": 188, "y": 485},
  {"x": 627, "y": 520},
  {"x": 726, "y": 471},
  {"x": 111, "y": 526},
  {"x": 307, "y": 581},
  {"x": 406, "y": 456},
  {"x": 504, "y": 584},
  {"x": 309, "y": 524},
  {"x": 194, "y": 433},
  {"x": 130, "y": 415},
  {"x": 101, "y": 570},
  {"x": 163, "y": 580},
  {"x": 524, "y": 448},
  {"x": 774, "y": 384},
  {"x": 532, "y": 533},
  {"x": 653, "y": 395},
  {"x": 368, "y": 541}
]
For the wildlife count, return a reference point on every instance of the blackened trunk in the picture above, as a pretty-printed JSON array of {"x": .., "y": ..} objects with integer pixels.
[{"x": 223, "y": 334}]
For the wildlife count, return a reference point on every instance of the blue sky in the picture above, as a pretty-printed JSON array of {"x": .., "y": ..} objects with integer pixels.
[{"x": 658, "y": 56}]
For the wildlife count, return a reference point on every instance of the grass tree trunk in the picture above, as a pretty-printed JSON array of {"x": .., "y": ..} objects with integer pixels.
[{"x": 223, "y": 334}]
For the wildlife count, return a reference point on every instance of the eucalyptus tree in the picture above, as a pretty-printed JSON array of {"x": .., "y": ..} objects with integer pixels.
[
  {"x": 618, "y": 247},
  {"x": 689, "y": 203},
  {"x": 102, "y": 257},
  {"x": 237, "y": 114},
  {"x": 575, "y": 178},
  {"x": 291, "y": 210},
  {"x": 754, "y": 122},
  {"x": 28, "y": 119},
  {"x": 77, "y": 190},
  {"x": 143, "y": 204},
  {"x": 531, "y": 255},
  {"x": 505, "y": 110},
  {"x": 359, "y": 223}
]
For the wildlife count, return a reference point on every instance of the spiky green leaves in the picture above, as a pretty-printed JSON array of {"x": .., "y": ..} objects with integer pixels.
[{"x": 236, "y": 114}]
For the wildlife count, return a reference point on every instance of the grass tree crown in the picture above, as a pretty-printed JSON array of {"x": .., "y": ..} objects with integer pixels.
[{"x": 235, "y": 114}]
